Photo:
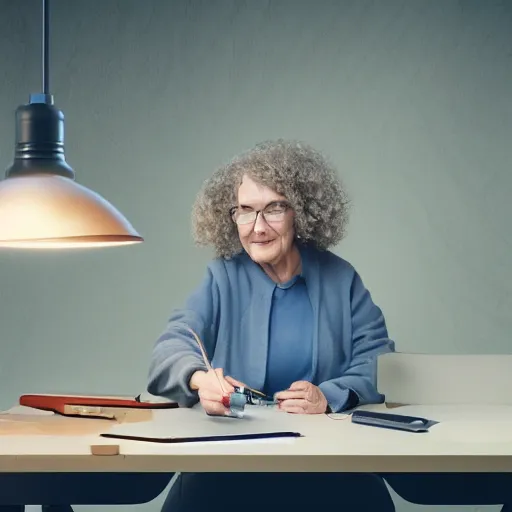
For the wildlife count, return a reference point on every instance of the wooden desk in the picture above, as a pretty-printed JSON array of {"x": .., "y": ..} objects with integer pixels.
[{"x": 468, "y": 439}]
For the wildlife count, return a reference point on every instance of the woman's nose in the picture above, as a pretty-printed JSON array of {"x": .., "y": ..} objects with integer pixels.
[{"x": 259, "y": 224}]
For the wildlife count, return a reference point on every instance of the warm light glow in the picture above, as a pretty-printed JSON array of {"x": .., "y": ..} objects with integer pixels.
[
  {"x": 49, "y": 244},
  {"x": 52, "y": 212}
]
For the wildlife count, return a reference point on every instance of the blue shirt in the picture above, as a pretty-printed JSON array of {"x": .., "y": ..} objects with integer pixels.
[{"x": 290, "y": 341}]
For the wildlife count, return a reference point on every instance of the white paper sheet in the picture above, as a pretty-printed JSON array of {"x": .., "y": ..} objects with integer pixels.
[{"x": 195, "y": 423}]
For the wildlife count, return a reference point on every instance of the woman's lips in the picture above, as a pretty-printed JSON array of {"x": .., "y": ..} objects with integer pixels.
[{"x": 262, "y": 242}]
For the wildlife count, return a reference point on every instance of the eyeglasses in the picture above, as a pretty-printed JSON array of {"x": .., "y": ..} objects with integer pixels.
[{"x": 273, "y": 212}]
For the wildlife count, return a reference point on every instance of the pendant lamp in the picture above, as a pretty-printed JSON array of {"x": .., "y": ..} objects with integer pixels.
[{"x": 41, "y": 204}]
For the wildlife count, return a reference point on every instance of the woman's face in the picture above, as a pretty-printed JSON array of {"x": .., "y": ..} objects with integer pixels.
[{"x": 269, "y": 237}]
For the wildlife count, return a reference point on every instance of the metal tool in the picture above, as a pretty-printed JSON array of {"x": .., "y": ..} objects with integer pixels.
[{"x": 242, "y": 395}]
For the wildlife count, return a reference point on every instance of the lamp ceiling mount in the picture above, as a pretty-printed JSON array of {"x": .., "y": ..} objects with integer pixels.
[{"x": 39, "y": 143}]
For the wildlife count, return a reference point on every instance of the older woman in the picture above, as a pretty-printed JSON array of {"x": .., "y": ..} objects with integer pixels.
[{"x": 277, "y": 311}]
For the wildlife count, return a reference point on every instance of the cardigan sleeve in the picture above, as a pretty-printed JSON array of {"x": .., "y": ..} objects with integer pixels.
[
  {"x": 176, "y": 354},
  {"x": 358, "y": 384}
]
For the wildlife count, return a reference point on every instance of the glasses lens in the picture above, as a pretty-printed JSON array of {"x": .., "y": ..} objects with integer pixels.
[
  {"x": 244, "y": 218},
  {"x": 274, "y": 212}
]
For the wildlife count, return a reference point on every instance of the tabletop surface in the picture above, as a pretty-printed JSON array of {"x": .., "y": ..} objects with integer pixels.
[{"x": 468, "y": 438}]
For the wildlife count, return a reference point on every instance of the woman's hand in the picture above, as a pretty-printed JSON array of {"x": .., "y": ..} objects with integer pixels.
[
  {"x": 211, "y": 387},
  {"x": 302, "y": 397},
  {"x": 210, "y": 391}
]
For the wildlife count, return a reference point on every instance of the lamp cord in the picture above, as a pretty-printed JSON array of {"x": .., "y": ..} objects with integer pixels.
[{"x": 45, "y": 47}]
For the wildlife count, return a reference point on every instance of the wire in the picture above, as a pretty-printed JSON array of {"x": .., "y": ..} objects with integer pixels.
[
  {"x": 45, "y": 57},
  {"x": 338, "y": 416}
]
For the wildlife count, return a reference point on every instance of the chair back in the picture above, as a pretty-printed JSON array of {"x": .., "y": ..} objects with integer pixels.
[{"x": 432, "y": 379}]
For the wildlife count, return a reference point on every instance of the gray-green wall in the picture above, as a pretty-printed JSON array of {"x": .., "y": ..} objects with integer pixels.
[{"x": 411, "y": 99}]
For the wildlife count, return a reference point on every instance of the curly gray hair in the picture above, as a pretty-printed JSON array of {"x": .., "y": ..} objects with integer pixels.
[{"x": 294, "y": 170}]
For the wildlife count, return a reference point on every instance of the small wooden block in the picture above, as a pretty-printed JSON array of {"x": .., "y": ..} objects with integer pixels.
[{"x": 105, "y": 449}]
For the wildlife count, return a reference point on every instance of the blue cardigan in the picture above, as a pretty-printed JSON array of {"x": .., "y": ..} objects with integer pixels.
[{"x": 230, "y": 312}]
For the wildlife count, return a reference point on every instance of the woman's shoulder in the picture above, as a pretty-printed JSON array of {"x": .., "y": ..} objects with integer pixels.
[
  {"x": 334, "y": 273},
  {"x": 328, "y": 261},
  {"x": 223, "y": 267}
]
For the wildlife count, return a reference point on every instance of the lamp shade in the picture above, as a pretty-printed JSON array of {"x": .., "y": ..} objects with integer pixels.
[{"x": 51, "y": 211}]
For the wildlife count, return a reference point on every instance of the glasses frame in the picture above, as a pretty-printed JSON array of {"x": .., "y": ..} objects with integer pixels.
[
  {"x": 232, "y": 211},
  {"x": 287, "y": 206}
]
